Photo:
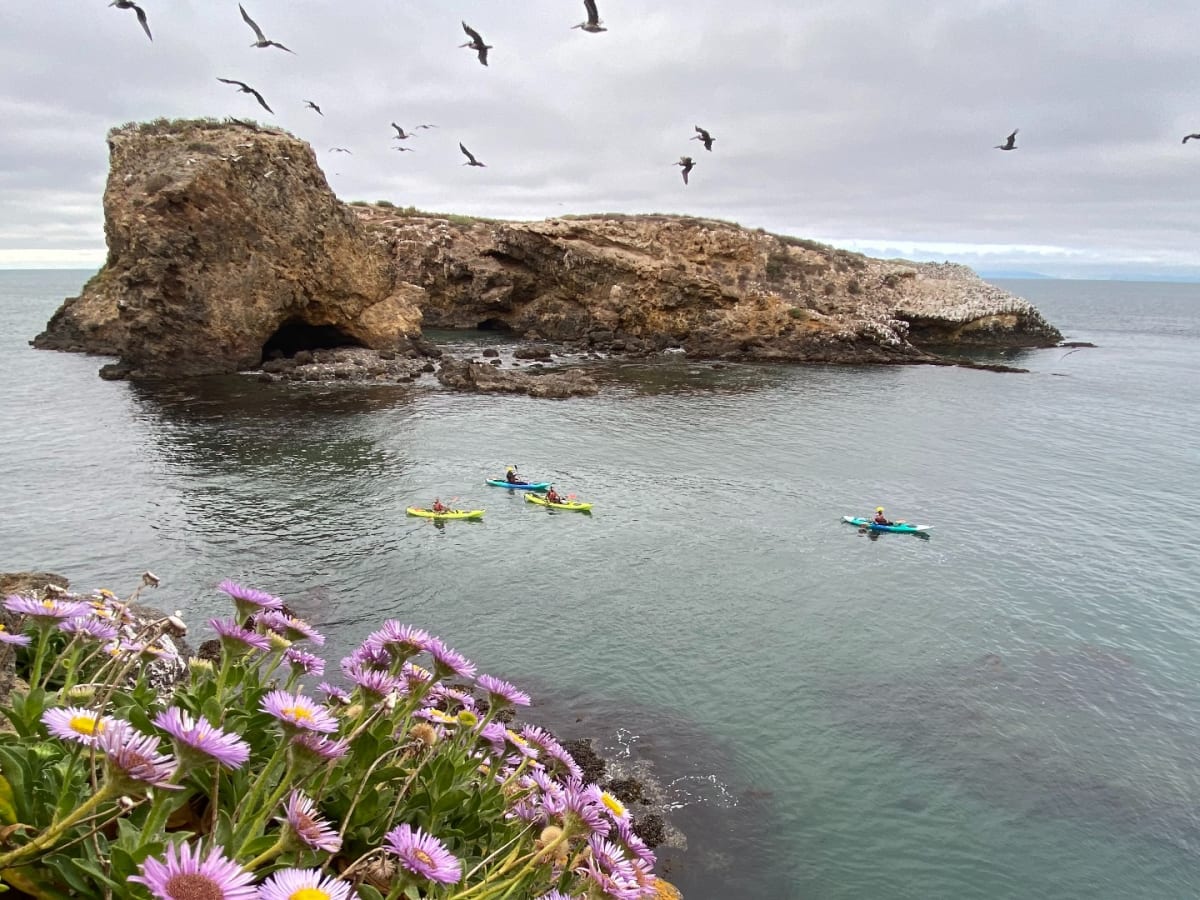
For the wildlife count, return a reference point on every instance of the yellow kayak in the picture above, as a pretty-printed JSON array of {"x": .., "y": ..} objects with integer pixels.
[
  {"x": 540, "y": 500},
  {"x": 447, "y": 514}
]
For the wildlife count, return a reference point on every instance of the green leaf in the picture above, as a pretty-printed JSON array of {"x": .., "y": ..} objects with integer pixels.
[
  {"x": 97, "y": 873},
  {"x": 366, "y": 892}
]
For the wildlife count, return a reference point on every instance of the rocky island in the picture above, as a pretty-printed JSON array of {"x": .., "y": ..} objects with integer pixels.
[{"x": 227, "y": 250}]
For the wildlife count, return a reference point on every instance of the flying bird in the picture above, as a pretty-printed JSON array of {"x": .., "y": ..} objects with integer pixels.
[
  {"x": 141, "y": 14},
  {"x": 704, "y": 137},
  {"x": 1011, "y": 143},
  {"x": 1189, "y": 137},
  {"x": 312, "y": 105},
  {"x": 688, "y": 164},
  {"x": 246, "y": 89},
  {"x": 471, "y": 160},
  {"x": 262, "y": 38},
  {"x": 400, "y": 133},
  {"x": 419, "y": 127},
  {"x": 593, "y": 18},
  {"x": 339, "y": 150},
  {"x": 476, "y": 43},
  {"x": 404, "y": 149}
]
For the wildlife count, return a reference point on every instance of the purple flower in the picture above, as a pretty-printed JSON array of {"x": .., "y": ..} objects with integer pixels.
[
  {"x": 73, "y": 723},
  {"x": 447, "y": 661},
  {"x": 552, "y": 751},
  {"x": 134, "y": 756},
  {"x": 369, "y": 656},
  {"x": 415, "y": 677},
  {"x": 402, "y": 641},
  {"x": 501, "y": 693},
  {"x": 303, "y": 884},
  {"x": 311, "y": 829},
  {"x": 452, "y": 696},
  {"x": 97, "y": 629},
  {"x": 188, "y": 876},
  {"x": 289, "y": 626},
  {"x": 45, "y": 611},
  {"x": 559, "y": 895},
  {"x": 298, "y": 711},
  {"x": 7, "y": 637},
  {"x": 202, "y": 737},
  {"x": 237, "y": 639},
  {"x": 248, "y": 600},
  {"x": 304, "y": 662},
  {"x": 375, "y": 683},
  {"x": 581, "y": 806},
  {"x": 333, "y": 693},
  {"x": 319, "y": 746},
  {"x": 609, "y": 868},
  {"x": 423, "y": 855}
]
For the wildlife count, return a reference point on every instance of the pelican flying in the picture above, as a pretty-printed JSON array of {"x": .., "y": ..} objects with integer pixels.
[
  {"x": 246, "y": 89},
  {"x": 262, "y": 38},
  {"x": 593, "y": 18},
  {"x": 476, "y": 43},
  {"x": 471, "y": 160},
  {"x": 141, "y": 14}
]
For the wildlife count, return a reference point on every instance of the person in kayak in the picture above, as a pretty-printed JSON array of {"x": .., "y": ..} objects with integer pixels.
[
  {"x": 439, "y": 506},
  {"x": 512, "y": 477},
  {"x": 553, "y": 496},
  {"x": 880, "y": 518}
]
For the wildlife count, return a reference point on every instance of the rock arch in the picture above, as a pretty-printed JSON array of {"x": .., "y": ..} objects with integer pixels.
[{"x": 294, "y": 335}]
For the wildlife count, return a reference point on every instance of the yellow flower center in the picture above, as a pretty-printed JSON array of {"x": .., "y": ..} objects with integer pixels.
[
  {"x": 48, "y": 604},
  {"x": 88, "y": 725},
  {"x": 468, "y": 718},
  {"x": 615, "y": 805},
  {"x": 423, "y": 856},
  {"x": 308, "y": 893},
  {"x": 297, "y": 712}
]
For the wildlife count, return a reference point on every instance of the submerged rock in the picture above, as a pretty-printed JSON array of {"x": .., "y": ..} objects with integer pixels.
[{"x": 467, "y": 375}]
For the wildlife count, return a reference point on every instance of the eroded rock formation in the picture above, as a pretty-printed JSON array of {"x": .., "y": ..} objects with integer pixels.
[
  {"x": 222, "y": 238},
  {"x": 226, "y": 247}
]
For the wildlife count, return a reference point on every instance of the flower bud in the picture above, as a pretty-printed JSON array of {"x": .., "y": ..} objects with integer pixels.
[{"x": 424, "y": 733}]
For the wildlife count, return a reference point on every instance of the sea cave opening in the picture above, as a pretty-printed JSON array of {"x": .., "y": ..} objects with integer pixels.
[
  {"x": 495, "y": 325},
  {"x": 295, "y": 335}
]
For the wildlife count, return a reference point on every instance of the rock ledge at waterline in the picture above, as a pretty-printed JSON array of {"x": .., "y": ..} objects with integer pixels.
[{"x": 226, "y": 242}]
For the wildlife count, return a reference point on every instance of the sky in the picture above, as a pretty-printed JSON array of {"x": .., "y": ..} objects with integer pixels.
[{"x": 868, "y": 124}]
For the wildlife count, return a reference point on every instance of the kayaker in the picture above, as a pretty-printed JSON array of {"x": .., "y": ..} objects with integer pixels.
[
  {"x": 512, "y": 477},
  {"x": 880, "y": 518},
  {"x": 439, "y": 506},
  {"x": 553, "y": 496}
]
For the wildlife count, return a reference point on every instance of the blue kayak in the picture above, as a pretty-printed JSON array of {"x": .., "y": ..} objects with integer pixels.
[
  {"x": 519, "y": 485},
  {"x": 898, "y": 527}
]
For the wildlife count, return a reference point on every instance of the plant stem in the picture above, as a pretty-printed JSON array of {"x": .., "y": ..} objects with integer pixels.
[{"x": 48, "y": 837}]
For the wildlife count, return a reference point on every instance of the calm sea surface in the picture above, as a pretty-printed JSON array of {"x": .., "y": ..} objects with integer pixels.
[{"x": 1009, "y": 709}]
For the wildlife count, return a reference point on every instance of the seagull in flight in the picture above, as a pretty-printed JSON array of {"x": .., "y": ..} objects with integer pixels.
[
  {"x": 593, "y": 18},
  {"x": 1189, "y": 137},
  {"x": 262, "y": 38},
  {"x": 704, "y": 137},
  {"x": 246, "y": 89},
  {"x": 404, "y": 149},
  {"x": 476, "y": 43},
  {"x": 141, "y": 14},
  {"x": 688, "y": 164},
  {"x": 471, "y": 160},
  {"x": 312, "y": 105},
  {"x": 419, "y": 127},
  {"x": 1010, "y": 143},
  {"x": 339, "y": 150},
  {"x": 401, "y": 135}
]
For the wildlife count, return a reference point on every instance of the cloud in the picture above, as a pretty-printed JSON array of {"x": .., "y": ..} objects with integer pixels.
[{"x": 866, "y": 122}]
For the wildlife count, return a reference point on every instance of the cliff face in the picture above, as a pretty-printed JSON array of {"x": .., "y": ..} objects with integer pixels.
[
  {"x": 226, "y": 245},
  {"x": 713, "y": 288},
  {"x": 221, "y": 238}
]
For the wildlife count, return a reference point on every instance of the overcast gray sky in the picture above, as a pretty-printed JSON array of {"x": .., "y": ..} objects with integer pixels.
[{"x": 866, "y": 123}]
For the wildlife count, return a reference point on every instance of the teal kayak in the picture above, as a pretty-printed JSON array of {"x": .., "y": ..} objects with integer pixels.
[
  {"x": 898, "y": 527},
  {"x": 519, "y": 485}
]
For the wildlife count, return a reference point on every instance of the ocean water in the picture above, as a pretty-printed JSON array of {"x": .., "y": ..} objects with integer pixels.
[{"x": 1007, "y": 709}]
